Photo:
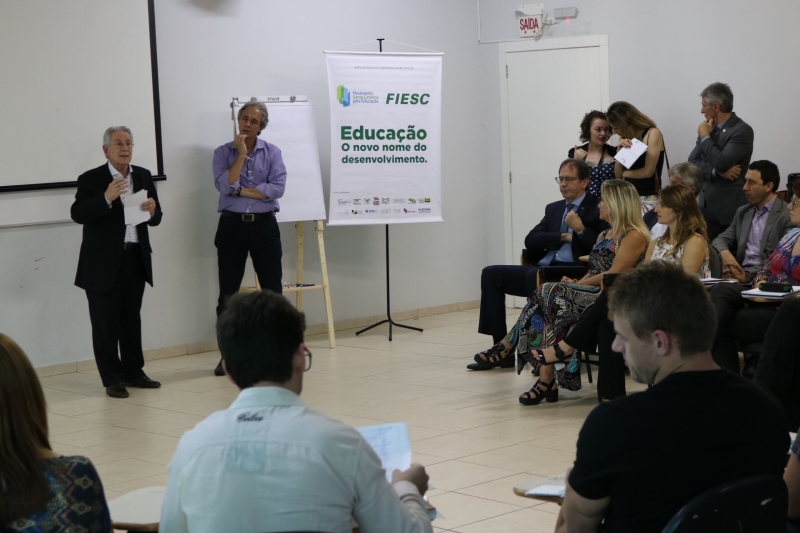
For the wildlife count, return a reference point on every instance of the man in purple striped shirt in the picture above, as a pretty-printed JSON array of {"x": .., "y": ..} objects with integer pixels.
[{"x": 250, "y": 176}]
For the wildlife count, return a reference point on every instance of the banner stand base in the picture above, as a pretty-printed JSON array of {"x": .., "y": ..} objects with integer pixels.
[{"x": 388, "y": 319}]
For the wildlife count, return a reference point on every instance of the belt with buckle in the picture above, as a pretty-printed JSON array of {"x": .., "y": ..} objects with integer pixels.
[
  {"x": 130, "y": 245},
  {"x": 247, "y": 217}
]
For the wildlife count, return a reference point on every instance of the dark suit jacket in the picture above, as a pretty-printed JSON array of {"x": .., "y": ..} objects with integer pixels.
[
  {"x": 731, "y": 146},
  {"x": 713, "y": 226},
  {"x": 735, "y": 237},
  {"x": 104, "y": 228},
  {"x": 546, "y": 235}
]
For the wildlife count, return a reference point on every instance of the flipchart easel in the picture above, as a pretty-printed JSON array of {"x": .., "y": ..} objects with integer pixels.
[{"x": 299, "y": 287}]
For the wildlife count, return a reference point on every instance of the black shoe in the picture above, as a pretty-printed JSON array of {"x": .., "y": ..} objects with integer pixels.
[
  {"x": 507, "y": 362},
  {"x": 219, "y": 371},
  {"x": 117, "y": 391},
  {"x": 142, "y": 383},
  {"x": 547, "y": 392}
]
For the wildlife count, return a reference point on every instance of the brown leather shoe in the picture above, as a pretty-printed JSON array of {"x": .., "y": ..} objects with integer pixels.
[{"x": 117, "y": 391}]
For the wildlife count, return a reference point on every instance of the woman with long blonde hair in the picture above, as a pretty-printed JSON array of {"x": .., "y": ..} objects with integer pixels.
[
  {"x": 554, "y": 307},
  {"x": 685, "y": 241},
  {"x": 40, "y": 491},
  {"x": 645, "y": 173}
]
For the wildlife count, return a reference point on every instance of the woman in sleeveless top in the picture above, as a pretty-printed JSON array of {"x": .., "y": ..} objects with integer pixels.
[
  {"x": 598, "y": 155},
  {"x": 645, "y": 174},
  {"x": 686, "y": 239},
  {"x": 40, "y": 491},
  {"x": 554, "y": 307}
]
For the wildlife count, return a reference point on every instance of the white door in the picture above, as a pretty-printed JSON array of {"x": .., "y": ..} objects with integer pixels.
[{"x": 548, "y": 91}]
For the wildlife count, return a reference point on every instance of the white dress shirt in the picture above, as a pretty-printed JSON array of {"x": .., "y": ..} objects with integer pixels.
[
  {"x": 270, "y": 463},
  {"x": 131, "y": 233}
]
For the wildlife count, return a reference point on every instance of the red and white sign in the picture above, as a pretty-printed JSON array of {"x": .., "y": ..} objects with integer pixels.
[{"x": 530, "y": 20}]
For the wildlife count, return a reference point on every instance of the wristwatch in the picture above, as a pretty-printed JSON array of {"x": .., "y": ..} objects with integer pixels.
[{"x": 239, "y": 191}]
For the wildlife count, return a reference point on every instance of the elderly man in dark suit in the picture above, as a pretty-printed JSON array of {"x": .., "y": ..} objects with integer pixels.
[
  {"x": 567, "y": 231},
  {"x": 744, "y": 248},
  {"x": 723, "y": 151},
  {"x": 115, "y": 261}
]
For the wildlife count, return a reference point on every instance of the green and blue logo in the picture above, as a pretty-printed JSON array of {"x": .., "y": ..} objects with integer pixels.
[{"x": 343, "y": 95}]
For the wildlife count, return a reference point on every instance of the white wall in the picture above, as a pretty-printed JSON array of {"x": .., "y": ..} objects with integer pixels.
[
  {"x": 662, "y": 55},
  {"x": 210, "y": 51}
]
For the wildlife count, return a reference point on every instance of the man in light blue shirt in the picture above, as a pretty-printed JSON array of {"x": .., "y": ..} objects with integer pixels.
[{"x": 269, "y": 463}]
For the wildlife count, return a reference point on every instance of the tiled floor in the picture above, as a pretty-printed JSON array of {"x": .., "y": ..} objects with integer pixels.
[{"x": 467, "y": 428}]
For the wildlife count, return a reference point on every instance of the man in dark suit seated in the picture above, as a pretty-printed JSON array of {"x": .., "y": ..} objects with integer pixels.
[
  {"x": 752, "y": 237},
  {"x": 723, "y": 151},
  {"x": 641, "y": 458},
  {"x": 690, "y": 175},
  {"x": 115, "y": 262},
  {"x": 567, "y": 231}
]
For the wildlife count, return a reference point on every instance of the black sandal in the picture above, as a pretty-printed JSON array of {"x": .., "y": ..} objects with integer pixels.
[
  {"x": 537, "y": 394},
  {"x": 540, "y": 357},
  {"x": 496, "y": 356}
]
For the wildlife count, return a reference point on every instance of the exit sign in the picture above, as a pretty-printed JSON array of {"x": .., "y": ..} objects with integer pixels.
[{"x": 530, "y": 20}]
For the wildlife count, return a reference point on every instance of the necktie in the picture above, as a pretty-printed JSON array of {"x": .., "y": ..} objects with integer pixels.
[{"x": 551, "y": 255}]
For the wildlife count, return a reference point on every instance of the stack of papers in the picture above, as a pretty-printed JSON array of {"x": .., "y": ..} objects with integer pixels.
[
  {"x": 756, "y": 293},
  {"x": 555, "y": 491},
  {"x": 628, "y": 156},
  {"x": 392, "y": 445},
  {"x": 714, "y": 281}
]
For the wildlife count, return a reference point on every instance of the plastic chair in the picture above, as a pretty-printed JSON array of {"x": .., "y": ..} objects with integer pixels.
[{"x": 756, "y": 504}]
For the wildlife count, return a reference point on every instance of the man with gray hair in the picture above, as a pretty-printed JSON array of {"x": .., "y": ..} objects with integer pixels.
[
  {"x": 691, "y": 176},
  {"x": 250, "y": 176},
  {"x": 723, "y": 151},
  {"x": 115, "y": 261}
]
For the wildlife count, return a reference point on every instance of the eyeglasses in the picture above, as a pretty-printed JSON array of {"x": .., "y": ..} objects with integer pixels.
[
  {"x": 120, "y": 144},
  {"x": 562, "y": 180},
  {"x": 795, "y": 202},
  {"x": 308, "y": 354}
]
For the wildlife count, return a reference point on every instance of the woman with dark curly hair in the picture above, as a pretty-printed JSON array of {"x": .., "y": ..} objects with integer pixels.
[{"x": 595, "y": 132}]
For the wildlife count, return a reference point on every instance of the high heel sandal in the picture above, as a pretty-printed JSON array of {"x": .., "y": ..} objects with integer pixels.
[
  {"x": 496, "y": 356},
  {"x": 547, "y": 392},
  {"x": 540, "y": 357}
]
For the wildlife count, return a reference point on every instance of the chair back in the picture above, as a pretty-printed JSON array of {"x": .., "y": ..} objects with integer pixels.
[
  {"x": 756, "y": 504},
  {"x": 714, "y": 262}
]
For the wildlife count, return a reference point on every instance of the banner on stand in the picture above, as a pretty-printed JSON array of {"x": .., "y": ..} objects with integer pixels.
[{"x": 386, "y": 116}]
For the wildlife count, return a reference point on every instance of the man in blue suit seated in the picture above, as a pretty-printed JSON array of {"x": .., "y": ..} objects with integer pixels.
[{"x": 567, "y": 231}]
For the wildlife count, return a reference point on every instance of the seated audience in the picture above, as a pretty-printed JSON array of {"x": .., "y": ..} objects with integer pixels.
[
  {"x": 641, "y": 458},
  {"x": 269, "y": 463},
  {"x": 723, "y": 151},
  {"x": 685, "y": 243},
  {"x": 40, "y": 491},
  {"x": 554, "y": 307},
  {"x": 595, "y": 132},
  {"x": 645, "y": 174},
  {"x": 567, "y": 231},
  {"x": 690, "y": 175},
  {"x": 754, "y": 234}
]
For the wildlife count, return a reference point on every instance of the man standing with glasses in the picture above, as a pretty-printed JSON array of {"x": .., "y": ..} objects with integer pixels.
[
  {"x": 271, "y": 463},
  {"x": 250, "y": 176},
  {"x": 567, "y": 231},
  {"x": 115, "y": 261}
]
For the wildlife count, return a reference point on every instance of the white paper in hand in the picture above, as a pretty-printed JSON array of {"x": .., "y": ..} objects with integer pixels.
[
  {"x": 628, "y": 156},
  {"x": 133, "y": 208},
  {"x": 392, "y": 444}
]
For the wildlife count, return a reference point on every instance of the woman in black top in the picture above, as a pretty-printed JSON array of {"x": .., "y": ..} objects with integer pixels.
[
  {"x": 645, "y": 174},
  {"x": 40, "y": 491},
  {"x": 595, "y": 132}
]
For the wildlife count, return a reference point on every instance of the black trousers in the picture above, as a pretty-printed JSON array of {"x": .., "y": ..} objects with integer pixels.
[
  {"x": 116, "y": 321},
  {"x": 779, "y": 367},
  {"x": 738, "y": 320},
  {"x": 595, "y": 331},
  {"x": 496, "y": 282},
  {"x": 234, "y": 240}
]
